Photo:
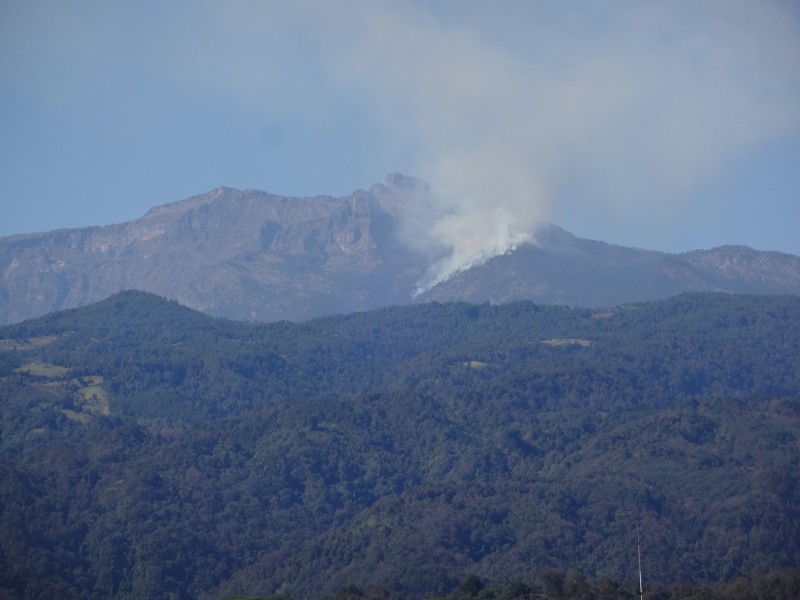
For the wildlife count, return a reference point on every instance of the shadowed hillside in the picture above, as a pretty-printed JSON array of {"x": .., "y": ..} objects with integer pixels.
[{"x": 152, "y": 451}]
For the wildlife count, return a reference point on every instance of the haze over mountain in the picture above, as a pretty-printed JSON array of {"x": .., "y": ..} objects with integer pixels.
[{"x": 250, "y": 255}]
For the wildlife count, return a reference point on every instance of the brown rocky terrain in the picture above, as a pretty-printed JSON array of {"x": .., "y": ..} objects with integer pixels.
[{"x": 252, "y": 255}]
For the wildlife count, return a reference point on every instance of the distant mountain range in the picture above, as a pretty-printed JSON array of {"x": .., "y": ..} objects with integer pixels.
[{"x": 250, "y": 255}]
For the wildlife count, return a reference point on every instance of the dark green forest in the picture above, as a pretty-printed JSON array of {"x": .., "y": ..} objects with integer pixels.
[{"x": 436, "y": 450}]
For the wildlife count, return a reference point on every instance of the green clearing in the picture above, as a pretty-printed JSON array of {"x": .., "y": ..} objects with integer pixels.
[
  {"x": 43, "y": 370},
  {"x": 87, "y": 394},
  {"x": 27, "y": 343},
  {"x": 93, "y": 398}
]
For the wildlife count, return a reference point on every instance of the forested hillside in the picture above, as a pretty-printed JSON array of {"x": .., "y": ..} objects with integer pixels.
[{"x": 149, "y": 451}]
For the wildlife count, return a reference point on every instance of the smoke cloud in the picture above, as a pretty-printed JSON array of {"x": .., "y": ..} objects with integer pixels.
[
  {"x": 596, "y": 112},
  {"x": 520, "y": 111}
]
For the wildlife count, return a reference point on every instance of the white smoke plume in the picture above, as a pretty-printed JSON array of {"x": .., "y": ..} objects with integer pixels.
[
  {"x": 520, "y": 110},
  {"x": 599, "y": 111}
]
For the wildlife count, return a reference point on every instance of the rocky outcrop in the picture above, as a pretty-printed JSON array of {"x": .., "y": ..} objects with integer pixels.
[
  {"x": 247, "y": 254},
  {"x": 241, "y": 254}
]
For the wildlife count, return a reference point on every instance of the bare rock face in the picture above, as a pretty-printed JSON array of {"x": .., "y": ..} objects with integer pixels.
[
  {"x": 240, "y": 254},
  {"x": 250, "y": 255}
]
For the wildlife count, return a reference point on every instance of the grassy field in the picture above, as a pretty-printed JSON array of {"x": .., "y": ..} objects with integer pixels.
[
  {"x": 95, "y": 399},
  {"x": 85, "y": 396},
  {"x": 27, "y": 343},
  {"x": 44, "y": 370}
]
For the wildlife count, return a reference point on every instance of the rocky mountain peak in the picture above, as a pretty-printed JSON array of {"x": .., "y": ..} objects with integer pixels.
[{"x": 248, "y": 254}]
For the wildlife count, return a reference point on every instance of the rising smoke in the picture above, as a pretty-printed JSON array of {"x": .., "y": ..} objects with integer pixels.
[
  {"x": 521, "y": 112},
  {"x": 626, "y": 105}
]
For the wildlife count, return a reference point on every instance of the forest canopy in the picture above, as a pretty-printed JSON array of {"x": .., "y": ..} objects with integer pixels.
[{"x": 148, "y": 450}]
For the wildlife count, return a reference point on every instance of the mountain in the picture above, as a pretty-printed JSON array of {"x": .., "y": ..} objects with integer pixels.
[
  {"x": 250, "y": 255},
  {"x": 242, "y": 254},
  {"x": 151, "y": 451},
  {"x": 564, "y": 269}
]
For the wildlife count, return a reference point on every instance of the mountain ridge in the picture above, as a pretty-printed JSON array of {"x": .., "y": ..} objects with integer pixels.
[
  {"x": 563, "y": 268},
  {"x": 251, "y": 255}
]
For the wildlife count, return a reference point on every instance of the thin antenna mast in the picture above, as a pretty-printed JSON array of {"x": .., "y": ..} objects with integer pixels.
[{"x": 639, "y": 554}]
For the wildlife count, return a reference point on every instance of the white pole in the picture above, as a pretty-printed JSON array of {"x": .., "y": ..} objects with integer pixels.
[{"x": 639, "y": 554}]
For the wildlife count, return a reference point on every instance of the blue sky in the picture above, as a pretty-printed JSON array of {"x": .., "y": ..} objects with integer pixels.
[{"x": 664, "y": 125}]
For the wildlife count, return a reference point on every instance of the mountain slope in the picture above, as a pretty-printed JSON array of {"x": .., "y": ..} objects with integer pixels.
[
  {"x": 249, "y": 255},
  {"x": 147, "y": 450},
  {"x": 562, "y": 268},
  {"x": 244, "y": 254}
]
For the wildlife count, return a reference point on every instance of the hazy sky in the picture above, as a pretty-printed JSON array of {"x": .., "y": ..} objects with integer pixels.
[{"x": 670, "y": 125}]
